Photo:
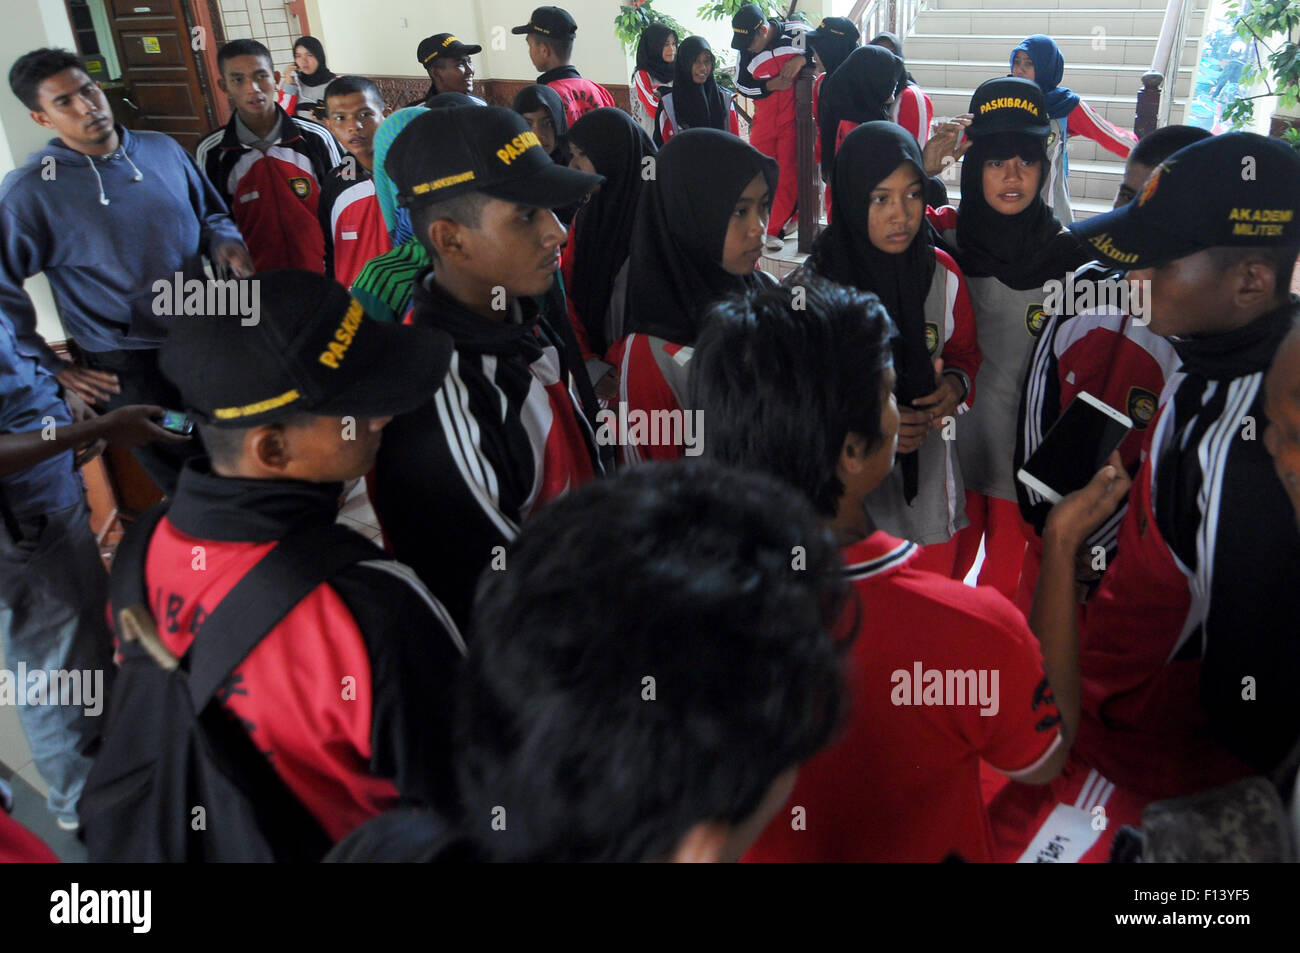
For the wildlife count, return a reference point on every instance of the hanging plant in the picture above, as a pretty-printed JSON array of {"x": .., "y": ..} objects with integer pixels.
[
  {"x": 635, "y": 16},
  {"x": 1280, "y": 69}
]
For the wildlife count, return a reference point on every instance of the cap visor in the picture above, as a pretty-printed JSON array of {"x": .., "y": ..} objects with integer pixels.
[
  {"x": 404, "y": 369},
  {"x": 471, "y": 48},
  {"x": 555, "y": 186},
  {"x": 741, "y": 41},
  {"x": 522, "y": 29},
  {"x": 1128, "y": 238}
]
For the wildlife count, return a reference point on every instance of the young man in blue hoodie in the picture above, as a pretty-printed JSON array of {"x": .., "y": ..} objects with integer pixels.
[{"x": 106, "y": 213}]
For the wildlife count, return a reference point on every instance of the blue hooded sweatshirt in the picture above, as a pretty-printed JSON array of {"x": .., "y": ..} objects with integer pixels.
[{"x": 103, "y": 229}]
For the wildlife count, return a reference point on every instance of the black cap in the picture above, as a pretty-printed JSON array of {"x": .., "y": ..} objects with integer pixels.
[
  {"x": 549, "y": 21},
  {"x": 1234, "y": 189},
  {"x": 311, "y": 350},
  {"x": 744, "y": 25},
  {"x": 444, "y": 46},
  {"x": 1008, "y": 104},
  {"x": 449, "y": 152}
]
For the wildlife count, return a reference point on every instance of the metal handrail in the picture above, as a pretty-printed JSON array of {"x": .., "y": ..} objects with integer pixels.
[{"x": 1152, "y": 105}]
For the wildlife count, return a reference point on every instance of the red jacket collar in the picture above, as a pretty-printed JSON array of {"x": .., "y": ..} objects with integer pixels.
[{"x": 878, "y": 554}]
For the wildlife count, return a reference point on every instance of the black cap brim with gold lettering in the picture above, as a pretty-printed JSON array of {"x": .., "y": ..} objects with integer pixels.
[
  {"x": 442, "y": 47},
  {"x": 548, "y": 21},
  {"x": 1008, "y": 104},
  {"x": 1236, "y": 189},
  {"x": 304, "y": 347},
  {"x": 449, "y": 152}
]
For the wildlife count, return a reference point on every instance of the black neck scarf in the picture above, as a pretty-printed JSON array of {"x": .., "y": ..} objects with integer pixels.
[
  {"x": 856, "y": 92},
  {"x": 1023, "y": 250},
  {"x": 675, "y": 266},
  {"x": 535, "y": 97},
  {"x": 650, "y": 53},
  {"x": 616, "y": 146},
  {"x": 844, "y": 254},
  {"x": 697, "y": 105},
  {"x": 322, "y": 74}
]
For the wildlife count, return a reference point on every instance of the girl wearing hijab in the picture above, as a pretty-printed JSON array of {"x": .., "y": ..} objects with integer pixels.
[
  {"x": 913, "y": 110},
  {"x": 832, "y": 42},
  {"x": 655, "y": 53},
  {"x": 861, "y": 90},
  {"x": 696, "y": 101},
  {"x": 544, "y": 110},
  {"x": 594, "y": 264},
  {"x": 1009, "y": 245},
  {"x": 303, "y": 94},
  {"x": 1039, "y": 60},
  {"x": 879, "y": 241},
  {"x": 698, "y": 235}
]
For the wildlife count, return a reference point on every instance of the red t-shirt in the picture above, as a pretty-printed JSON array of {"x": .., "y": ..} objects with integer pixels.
[{"x": 902, "y": 782}]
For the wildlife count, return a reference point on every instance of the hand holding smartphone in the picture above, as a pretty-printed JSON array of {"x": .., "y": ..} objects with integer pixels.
[{"x": 1076, "y": 447}]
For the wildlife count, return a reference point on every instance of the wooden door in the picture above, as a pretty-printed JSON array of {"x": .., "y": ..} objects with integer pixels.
[{"x": 161, "y": 69}]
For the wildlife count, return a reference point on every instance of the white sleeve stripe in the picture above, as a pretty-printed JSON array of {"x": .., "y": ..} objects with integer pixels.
[
  {"x": 407, "y": 574},
  {"x": 630, "y": 453},
  {"x": 1025, "y": 772}
]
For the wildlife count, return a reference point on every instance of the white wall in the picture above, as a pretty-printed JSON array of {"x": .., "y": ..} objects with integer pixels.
[
  {"x": 382, "y": 41},
  {"x": 28, "y": 26}
]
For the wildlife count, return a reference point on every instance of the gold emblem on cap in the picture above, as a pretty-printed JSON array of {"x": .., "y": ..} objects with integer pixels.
[
  {"x": 1149, "y": 188},
  {"x": 444, "y": 182},
  {"x": 517, "y": 146},
  {"x": 337, "y": 349},
  {"x": 1009, "y": 102},
  {"x": 248, "y": 410}
]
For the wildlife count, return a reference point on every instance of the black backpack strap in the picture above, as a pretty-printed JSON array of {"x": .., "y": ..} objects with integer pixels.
[
  {"x": 127, "y": 583},
  {"x": 295, "y": 566}
]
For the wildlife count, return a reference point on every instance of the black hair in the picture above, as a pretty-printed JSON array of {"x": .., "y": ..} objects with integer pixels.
[
  {"x": 1280, "y": 259},
  {"x": 464, "y": 209},
  {"x": 780, "y": 387},
  {"x": 32, "y": 69},
  {"x": 225, "y": 445},
  {"x": 235, "y": 48},
  {"x": 561, "y": 46},
  {"x": 656, "y": 653},
  {"x": 1155, "y": 147},
  {"x": 348, "y": 85}
]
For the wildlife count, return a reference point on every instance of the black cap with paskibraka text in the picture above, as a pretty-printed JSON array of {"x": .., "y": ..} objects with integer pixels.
[
  {"x": 744, "y": 25},
  {"x": 310, "y": 350},
  {"x": 1008, "y": 104},
  {"x": 549, "y": 21},
  {"x": 449, "y": 152},
  {"x": 442, "y": 47},
  {"x": 1235, "y": 189}
]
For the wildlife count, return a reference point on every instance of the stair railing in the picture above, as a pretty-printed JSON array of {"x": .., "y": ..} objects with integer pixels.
[{"x": 1153, "y": 101}]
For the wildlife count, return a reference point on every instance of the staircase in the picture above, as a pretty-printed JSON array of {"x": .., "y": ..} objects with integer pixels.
[{"x": 957, "y": 44}]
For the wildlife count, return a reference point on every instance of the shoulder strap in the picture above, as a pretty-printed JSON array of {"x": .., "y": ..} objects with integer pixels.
[
  {"x": 299, "y": 563},
  {"x": 127, "y": 587}
]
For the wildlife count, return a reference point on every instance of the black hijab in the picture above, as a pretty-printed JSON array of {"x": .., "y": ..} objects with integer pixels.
[
  {"x": 650, "y": 53},
  {"x": 832, "y": 50},
  {"x": 1023, "y": 250},
  {"x": 616, "y": 145},
  {"x": 856, "y": 92},
  {"x": 897, "y": 49},
  {"x": 322, "y": 74},
  {"x": 536, "y": 96},
  {"x": 844, "y": 254},
  {"x": 697, "y": 105},
  {"x": 675, "y": 266}
]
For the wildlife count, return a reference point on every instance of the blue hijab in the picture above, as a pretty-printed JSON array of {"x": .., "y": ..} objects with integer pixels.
[{"x": 1049, "y": 67}]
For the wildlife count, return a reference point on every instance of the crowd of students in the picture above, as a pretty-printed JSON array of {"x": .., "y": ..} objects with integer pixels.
[{"x": 566, "y": 651}]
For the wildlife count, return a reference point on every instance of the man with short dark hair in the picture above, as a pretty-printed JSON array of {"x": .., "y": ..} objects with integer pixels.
[
  {"x": 85, "y": 211},
  {"x": 510, "y": 428},
  {"x": 268, "y": 165},
  {"x": 349, "y": 694},
  {"x": 550, "y": 32},
  {"x": 649, "y": 670},
  {"x": 350, "y": 217},
  {"x": 446, "y": 58}
]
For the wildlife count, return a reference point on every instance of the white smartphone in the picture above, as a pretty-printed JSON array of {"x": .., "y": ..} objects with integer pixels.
[{"x": 1076, "y": 447}]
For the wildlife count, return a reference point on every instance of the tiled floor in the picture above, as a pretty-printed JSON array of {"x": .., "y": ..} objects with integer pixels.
[{"x": 17, "y": 768}]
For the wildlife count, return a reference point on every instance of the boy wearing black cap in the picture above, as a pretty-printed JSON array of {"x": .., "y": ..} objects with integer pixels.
[
  {"x": 348, "y": 693},
  {"x": 446, "y": 58},
  {"x": 771, "y": 55},
  {"x": 1188, "y": 650},
  {"x": 505, "y": 432},
  {"x": 550, "y": 32}
]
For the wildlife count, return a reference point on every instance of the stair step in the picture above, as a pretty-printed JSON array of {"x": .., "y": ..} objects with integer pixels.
[
  {"x": 1049, "y": 4},
  {"x": 1083, "y": 22},
  {"x": 1118, "y": 110},
  {"x": 1131, "y": 51},
  {"x": 1089, "y": 80}
]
